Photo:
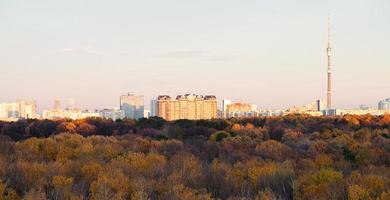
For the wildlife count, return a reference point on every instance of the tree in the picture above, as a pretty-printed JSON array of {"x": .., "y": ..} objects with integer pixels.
[
  {"x": 273, "y": 150},
  {"x": 151, "y": 122},
  {"x": 324, "y": 184},
  {"x": 276, "y": 133},
  {"x": 186, "y": 169},
  {"x": 267, "y": 194},
  {"x": 2, "y": 191},
  {"x": 86, "y": 129},
  {"x": 15, "y": 130},
  {"x": 219, "y": 136},
  {"x": 323, "y": 161},
  {"x": 34, "y": 194},
  {"x": 62, "y": 187},
  {"x": 112, "y": 186},
  {"x": 278, "y": 178},
  {"x": 180, "y": 192},
  {"x": 355, "y": 192},
  {"x": 140, "y": 195},
  {"x": 42, "y": 128},
  {"x": 170, "y": 147},
  {"x": 66, "y": 127},
  {"x": 218, "y": 183}
]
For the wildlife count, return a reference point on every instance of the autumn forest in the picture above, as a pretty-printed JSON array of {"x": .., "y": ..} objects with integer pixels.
[{"x": 289, "y": 157}]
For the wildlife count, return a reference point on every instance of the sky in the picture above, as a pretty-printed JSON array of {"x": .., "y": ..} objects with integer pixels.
[{"x": 269, "y": 53}]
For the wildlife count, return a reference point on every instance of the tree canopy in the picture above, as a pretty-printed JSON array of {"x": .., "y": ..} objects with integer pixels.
[{"x": 290, "y": 157}]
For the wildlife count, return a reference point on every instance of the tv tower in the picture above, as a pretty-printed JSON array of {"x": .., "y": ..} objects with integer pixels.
[{"x": 329, "y": 54}]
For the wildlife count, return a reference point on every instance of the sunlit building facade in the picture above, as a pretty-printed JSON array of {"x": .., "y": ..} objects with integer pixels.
[
  {"x": 315, "y": 108},
  {"x": 188, "y": 106},
  {"x": 18, "y": 110},
  {"x": 225, "y": 103},
  {"x": 241, "y": 110},
  {"x": 333, "y": 112},
  {"x": 69, "y": 114}
]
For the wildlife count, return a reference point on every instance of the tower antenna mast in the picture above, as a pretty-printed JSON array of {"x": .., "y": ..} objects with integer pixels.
[{"x": 329, "y": 71}]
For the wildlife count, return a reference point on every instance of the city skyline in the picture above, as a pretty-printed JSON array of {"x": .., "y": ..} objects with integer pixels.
[{"x": 233, "y": 55}]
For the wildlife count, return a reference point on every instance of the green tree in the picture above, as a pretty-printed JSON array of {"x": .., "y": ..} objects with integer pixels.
[{"x": 219, "y": 136}]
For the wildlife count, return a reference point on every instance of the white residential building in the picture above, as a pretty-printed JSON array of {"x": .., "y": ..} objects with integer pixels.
[{"x": 18, "y": 110}]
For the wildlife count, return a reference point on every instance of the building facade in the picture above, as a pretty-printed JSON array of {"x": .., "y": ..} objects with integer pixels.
[
  {"x": 57, "y": 104},
  {"x": 113, "y": 114},
  {"x": 225, "y": 103},
  {"x": 18, "y": 110},
  {"x": 188, "y": 106},
  {"x": 333, "y": 112},
  {"x": 132, "y": 105},
  {"x": 69, "y": 114},
  {"x": 153, "y": 108},
  {"x": 384, "y": 104},
  {"x": 315, "y": 108},
  {"x": 241, "y": 110}
]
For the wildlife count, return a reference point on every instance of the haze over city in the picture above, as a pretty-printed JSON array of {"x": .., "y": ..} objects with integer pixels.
[{"x": 271, "y": 54}]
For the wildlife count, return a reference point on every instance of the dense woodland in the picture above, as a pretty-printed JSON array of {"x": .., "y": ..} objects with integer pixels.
[{"x": 289, "y": 157}]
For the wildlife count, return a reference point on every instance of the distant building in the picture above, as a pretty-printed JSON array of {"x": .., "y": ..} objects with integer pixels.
[
  {"x": 384, "y": 104},
  {"x": 18, "y": 110},
  {"x": 188, "y": 106},
  {"x": 132, "y": 105},
  {"x": 241, "y": 110},
  {"x": 57, "y": 104},
  {"x": 270, "y": 113},
  {"x": 364, "y": 107},
  {"x": 333, "y": 112},
  {"x": 153, "y": 107},
  {"x": 220, "y": 113},
  {"x": 315, "y": 108},
  {"x": 113, "y": 114},
  {"x": 146, "y": 113},
  {"x": 70, "y": 104},
  {"x": 9, "y": 110},
  {"x": 225, "y": 103},
  {"x": 68, "y": 114},
  {"x": 27, "y": 109}
]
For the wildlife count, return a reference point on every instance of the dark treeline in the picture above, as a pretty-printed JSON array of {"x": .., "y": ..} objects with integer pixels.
[{"x": 289, "y": 157}]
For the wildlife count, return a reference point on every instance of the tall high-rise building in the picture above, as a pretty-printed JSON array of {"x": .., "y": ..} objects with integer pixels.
[
  {"x": 188, "y": 106},
  {"x": 132, "y": 105},
  {"x": 329, "y": 72}
]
